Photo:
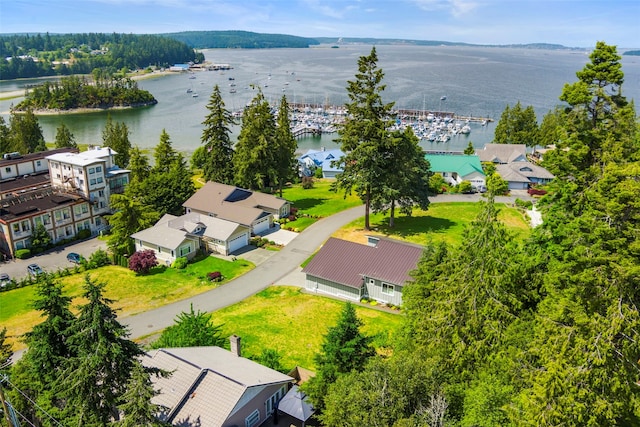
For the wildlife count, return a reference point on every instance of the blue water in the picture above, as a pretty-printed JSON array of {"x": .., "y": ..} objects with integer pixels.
[{"x": 476, "y": 82}]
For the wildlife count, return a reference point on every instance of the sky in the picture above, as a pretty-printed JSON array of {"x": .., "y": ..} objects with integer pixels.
[{"x": 572, "y": 23}]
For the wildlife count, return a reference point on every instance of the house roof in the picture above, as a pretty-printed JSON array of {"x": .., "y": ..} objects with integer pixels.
[
  {"x": 233, "y": 203},
  {"x": 85, "y": 158},
  {"x": 35, "y": 203},
  {"x": 170, "y": 231},
  {"x": 322, "y": 157},
  {"x": 347, "y": 262},
  {"x": 503, "y": 153},
  {"x": 207, "y": 383},
  {"x": 463, "y": 165},
  {"x": 34, "y": 156},
  {"x": 523, "y": 172}
]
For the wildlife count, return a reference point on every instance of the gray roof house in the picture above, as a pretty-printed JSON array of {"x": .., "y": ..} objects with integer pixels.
[
  {"x": 213, "y": 387},
  {"x": 173, "y": 237},
  {"x": 245, "y": 207},
  {"x": 513, "y": 166},
  {"x": 353, "y": 271}
]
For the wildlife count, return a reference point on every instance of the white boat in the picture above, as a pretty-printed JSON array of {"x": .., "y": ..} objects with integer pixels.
[
  {"x": 195, "y": 95},
  {"x": 465, "y": 129},
  {"x": 443, "y": 97}
]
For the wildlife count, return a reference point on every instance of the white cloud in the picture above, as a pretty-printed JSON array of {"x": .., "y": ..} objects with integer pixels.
[
  {"x": 455, "y": 7},
  {"x": 324, "y": 9}
]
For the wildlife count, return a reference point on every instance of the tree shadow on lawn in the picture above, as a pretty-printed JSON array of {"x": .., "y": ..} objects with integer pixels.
[
  {"x": 308, "y": 203},
  {"x": 406, "y": 226}
]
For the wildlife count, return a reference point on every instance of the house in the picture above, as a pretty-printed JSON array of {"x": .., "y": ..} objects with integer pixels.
[
  {"x": 353, "y": 271},
  {"x": 173, "y": 237},
  {"x": 29, "y": 172},
  {"x": 245, "y": 207},
  {"x": 457, "y": 168},
  {"x": 513, "y": 166},
  {"x": 213, "y": 387},
  {"x": 322, "y": 159}
]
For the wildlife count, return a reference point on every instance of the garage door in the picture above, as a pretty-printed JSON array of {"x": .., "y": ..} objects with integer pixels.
[
  {"x": 238, "y": 242},
  {"x": 262, "y": 225}
]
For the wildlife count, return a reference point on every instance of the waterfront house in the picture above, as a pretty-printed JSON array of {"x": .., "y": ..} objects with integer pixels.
[
  {"x": 457, "y": 168},
  {"x": 210, "y": 386},
  {"x": 173, "y": 237},
  {"x": 323, "y": 159},
  {"x": 378, "y": 270},
  {"x": 513, "y": 165},
  {"x": 245, "y": 207}
]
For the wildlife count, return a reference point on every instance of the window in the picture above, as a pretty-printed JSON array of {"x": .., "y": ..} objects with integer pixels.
[
  {"x": 98, "y": 222},
  {"x": 7, "y": 170},
  {"x": 387, "y": 289},
  {"x": 271, "y": 403},
  {"x": 26, "y": 225},
  {"x": 92, "y": 171},
  {"x": 98, "y": 169},
  {"x": 46, "y": 219},
  {"x": 92, "y": 181},
  {"x": 85, "y": 208},
  {"x": 16, "y": 227},
  {"x": 253, "y": 419},
  {"x": 101, "y": 193},
  {"x": 99, "y": 180},
  {"x": 38, "y": 163}
]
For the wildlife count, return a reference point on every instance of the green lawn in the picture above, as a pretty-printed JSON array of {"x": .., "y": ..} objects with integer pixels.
[
  {"x": 285, "y": 319},
  {"x": 132, "y": 294},
  {"x": 317, "y": 202},
  {"x": 441, "y": 222}
]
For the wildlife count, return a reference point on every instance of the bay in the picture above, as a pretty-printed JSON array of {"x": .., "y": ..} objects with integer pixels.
[{"x": 476, "y": 81}]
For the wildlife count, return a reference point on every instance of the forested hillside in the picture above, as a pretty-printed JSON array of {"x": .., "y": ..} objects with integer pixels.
[
  {"x": 26, "y": 56},
  {"x": 239, "y": 40}
]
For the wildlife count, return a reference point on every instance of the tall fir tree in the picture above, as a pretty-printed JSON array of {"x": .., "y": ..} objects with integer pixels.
[
  {"x": 64, "y": 137},
  {"x": 217, "y": 164},
  {"x": 517, "y": 126},
  {"x": 116, "y": 136},
  {"x": 285, "y": 147},
  {"x": 163, "y": 154},
  {"x": 96, "y": 376},
  {"x": 131, "y": 215},
  {"x": 26, "y": 133},
  {"x": 254, "y": 161},
  {"x": 364, "y": 132}
]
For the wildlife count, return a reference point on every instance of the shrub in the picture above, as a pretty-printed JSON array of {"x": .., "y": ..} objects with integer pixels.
[
  {"x": 307, "y": 182},
  {"x": 98, "y": 259},
  {"x": 143, "y": 261},
  {"x": 83, "y": 234},
  {"x": 214, "y": 276},
  {"x": 318, "y": 173},
  {"x": 180, "y": 263},
  {"x": 23, "y": 253},
  {"x": 292, "y": 217},
  {"x": 524, "y": 204}
]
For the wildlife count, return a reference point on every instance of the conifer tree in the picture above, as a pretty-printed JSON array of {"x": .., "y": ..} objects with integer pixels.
[
  {"x": 517, "y": 126},
  {"x": 254, "y": 160},
  {"x": 163, "y": 154},
  {"x": 130, "y": 216},
  {"x": 364, "y": 133},
  {"x": 64, "y": 137},
  {"x": 136, "y": 406},
  {"x": 26, "y": 133},
  {"x": 192, "y": 329},
  {"x": 96, "y": 377},
  {"x": 116, "y": 136},
  {"x": 138, "y": 165},
  {"x": 285, "y": 147},
  {"x": 218, "y": 163}
]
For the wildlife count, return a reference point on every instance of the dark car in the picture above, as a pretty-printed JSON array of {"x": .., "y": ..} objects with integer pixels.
[
  {"x": 75, "y": 258},
  {"x": 34, "y": 270}
]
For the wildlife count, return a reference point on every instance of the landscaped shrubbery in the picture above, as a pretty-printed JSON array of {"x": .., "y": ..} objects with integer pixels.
[
  {"x": 180, "y": 263},
  {"x": 215, "y": 276},
  {"x": 23, "y": 253},
  {"x": 142, "y": 262}
]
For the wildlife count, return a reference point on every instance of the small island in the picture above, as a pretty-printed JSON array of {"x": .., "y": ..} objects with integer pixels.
[{"x": 79, "y": 94}]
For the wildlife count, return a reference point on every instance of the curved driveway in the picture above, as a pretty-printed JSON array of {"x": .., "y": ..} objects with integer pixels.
[{"x": 266, "y": 274}]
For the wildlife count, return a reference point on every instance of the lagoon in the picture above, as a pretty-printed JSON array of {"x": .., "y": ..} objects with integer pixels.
[{"x": 476, "y": 81}]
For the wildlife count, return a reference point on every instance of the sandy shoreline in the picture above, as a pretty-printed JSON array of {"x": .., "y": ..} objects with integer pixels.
[{"x": 21, "y": 93}]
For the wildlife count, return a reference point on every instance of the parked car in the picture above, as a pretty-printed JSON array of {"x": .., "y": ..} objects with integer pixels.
[
  {"x": 34, "y": 270},
  {"x": 4, "y": 280},
  {"x": 74, "y": 258}
]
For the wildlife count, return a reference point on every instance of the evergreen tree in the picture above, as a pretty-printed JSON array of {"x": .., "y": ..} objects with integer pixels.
[
  {"x": 64, "y": 137},
  {"x": 116, "y": 136},
  {"x": 217, "y": 165},
  {"x": 26, "y": 133},
  {"x": 407, "y": 174},
  {"x": 517, "y": 126},
  {"x": 165, "y": 192},
  {"x": 470, "y": 151},
  {"x": 193, "y": 329},
  {"x": 364, "y": 133},
  {"x": 96, "y": 378},
  {"x": 285, "y": 147},
  {"x": 130, "y": 216},
  {"x": 138, "y": 165},
  {"x": 344, "y": 349},
  {"x": 6, "y": 351},
  {"x": 6, "y": 144},
  {"x": 254, "y": 161},
  {"x": 164, "y": 154},
  {"x": 136, "y": 406}
]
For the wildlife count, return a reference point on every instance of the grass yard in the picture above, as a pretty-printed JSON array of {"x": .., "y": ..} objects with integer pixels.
[
  {"x": 441, "y": 222},
  {"x": 285, "y": 319},
  {"x": 131, "y": 294},
  {"x": 317, "y": 202}
]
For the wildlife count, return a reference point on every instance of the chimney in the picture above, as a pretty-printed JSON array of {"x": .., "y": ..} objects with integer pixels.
[{"x": 235, "y": 345}]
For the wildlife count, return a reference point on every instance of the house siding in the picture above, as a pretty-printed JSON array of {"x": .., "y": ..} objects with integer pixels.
[
  {"x": 374, "y": 291},
  {"x": 258, "y": 402},
  {"x": 319, "y": 285}
]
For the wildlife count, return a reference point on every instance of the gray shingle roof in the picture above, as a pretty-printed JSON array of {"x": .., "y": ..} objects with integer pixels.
[
  {"x": 208, "y": 383},
  {"x": 502, "y": 153},
  {"x": 346, "y": 262}
]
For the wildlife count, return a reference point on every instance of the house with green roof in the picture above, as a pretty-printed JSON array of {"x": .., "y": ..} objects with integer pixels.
[{"x": 456, "y": 168}]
